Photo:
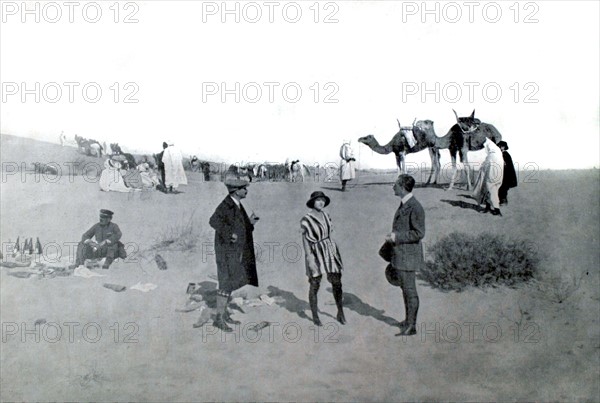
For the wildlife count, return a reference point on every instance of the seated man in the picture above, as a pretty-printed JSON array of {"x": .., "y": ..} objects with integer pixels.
[{"x": 107, "y": 243}]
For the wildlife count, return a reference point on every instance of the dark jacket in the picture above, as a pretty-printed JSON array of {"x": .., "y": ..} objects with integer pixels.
[
  {"x": 236, "y": 263},
  {"x": 409, "y": 227},
  {"x": 509, "y": 180},
  {"x": 110, "y": 231}
]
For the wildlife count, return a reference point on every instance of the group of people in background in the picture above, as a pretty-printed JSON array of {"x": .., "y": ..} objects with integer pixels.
[{"x": 119, "y": 176}]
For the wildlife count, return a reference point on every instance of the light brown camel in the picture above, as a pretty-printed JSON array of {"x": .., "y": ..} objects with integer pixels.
[
  {"x": 425, "y": 139},
  {"x": 468, "y": 134}
]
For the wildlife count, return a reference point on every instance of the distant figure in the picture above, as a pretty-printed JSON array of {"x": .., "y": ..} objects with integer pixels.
[
  {"x": 111, "y": 179},
  {"x": 107, "y": 244},
  {"x": 489, "y": 179},
  {"x": 321, "y": 255},
  {"x": 149, "y": 178},
  {"x": 347, "y": 170},
  {"x": 174, "y": 173},
  {"x": 509, "y": 179},
  {"x": 161, "y": 165},
  {"x": 62, "y": 138},
  {"x": 234, "y": 248}
]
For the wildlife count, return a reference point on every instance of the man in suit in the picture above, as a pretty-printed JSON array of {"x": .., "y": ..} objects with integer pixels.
[
  {"x": 107, "y": 244},
  {"x": 234, "y": 248},
  {"x": 408, "y": 229}
]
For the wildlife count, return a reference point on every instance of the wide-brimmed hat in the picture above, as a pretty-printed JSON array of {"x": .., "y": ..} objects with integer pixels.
[
  {"x": 315, "y": 195},
  {"x": 502, "y": 144}
]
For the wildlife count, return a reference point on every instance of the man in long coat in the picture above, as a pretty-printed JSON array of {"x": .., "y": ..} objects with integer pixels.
[
  {"x": 408, "y": 229},
  {"x": 347, "y": 169},
  {"x": 234, "y": 248}
]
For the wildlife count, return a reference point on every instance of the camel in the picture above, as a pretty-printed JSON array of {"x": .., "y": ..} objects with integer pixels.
[
  {"x": 89, "y": 147},
  {"x": 468, "y": 134},
  {"x": 294, "y": 169},
  {"x": 425, "y": 139}
]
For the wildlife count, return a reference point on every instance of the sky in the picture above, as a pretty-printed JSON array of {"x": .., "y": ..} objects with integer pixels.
[{"x": 296, "y": 79}]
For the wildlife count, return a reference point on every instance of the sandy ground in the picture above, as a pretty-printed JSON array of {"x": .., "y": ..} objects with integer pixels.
[{"x": 477, "y": 345}]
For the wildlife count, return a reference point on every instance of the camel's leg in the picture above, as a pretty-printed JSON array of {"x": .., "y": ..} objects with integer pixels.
[
  {"x": 454, "y": 172},
  {"x": 438, "y": 165},
  {"x": 468, "y": 169},
  {"x": 432, "y": 155}
]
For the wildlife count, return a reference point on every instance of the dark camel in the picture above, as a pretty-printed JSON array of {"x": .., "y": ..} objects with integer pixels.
[{"x": 468, "y": 134}]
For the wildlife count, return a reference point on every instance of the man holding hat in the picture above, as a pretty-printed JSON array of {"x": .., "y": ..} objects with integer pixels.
[
  {"x": 234, "y": 248},
  {"x": 406, "y": 251},
  {"x": 107, "y": 244}
]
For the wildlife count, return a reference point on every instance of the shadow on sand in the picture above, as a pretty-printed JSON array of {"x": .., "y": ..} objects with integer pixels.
[
  {"x": 443, "y": 186},
  {"x": 337, "y": 189},
  {"x": 292, "y": 303},
  {"x": 462, "y": 204},
  {"x": 353, "y": 303}
]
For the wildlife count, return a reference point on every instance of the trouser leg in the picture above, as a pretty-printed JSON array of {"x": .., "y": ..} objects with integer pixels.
[
  {"x": 83, "y": 252},
  {"x": 411, "y": 298}
]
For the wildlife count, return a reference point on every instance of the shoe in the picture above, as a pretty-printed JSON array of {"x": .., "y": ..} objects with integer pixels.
[
  {"x": 219, "y": 323},
  {"x": 341, "y": 318},
  {"x": 503, "y": 202},
  {"x": 317, "y": 321},
  {"x": 403, "y": 325},
  {"x": 228, "y": 319},
  {"x": 497, "y": 212},
  {"x": 410, "y": 330}
]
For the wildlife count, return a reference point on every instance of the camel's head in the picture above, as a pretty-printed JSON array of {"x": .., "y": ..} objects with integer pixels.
[
  {"x": 368, "y": 139},
  {"x": 424, "y": 126},
  {"x": 467, "y": 124}
]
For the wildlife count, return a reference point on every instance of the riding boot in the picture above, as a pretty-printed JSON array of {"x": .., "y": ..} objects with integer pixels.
[
  {"x": 338, "y": 296},
  {"x": 315, "y": 283}
]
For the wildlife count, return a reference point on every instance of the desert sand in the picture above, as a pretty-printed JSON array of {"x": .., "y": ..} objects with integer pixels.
[{"x": 496, "y": 344}]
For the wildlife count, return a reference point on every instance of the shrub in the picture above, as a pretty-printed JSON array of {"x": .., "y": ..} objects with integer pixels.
[
  {"x": 461, "y": 260},
  {"x": 181, "y": 237}
]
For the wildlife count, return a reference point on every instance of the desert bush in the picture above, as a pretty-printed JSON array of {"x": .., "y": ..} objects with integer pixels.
[
  {"x": 461, "y": 260},
  {"x": 182, "y": 237}
]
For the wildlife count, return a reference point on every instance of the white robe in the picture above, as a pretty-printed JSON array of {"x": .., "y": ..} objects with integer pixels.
[
  {"x": 490, "y": 176},
  {"x": 347, "y": 170},
  {"x": 174, "y": 173},
  {"x": 111, "y": 180}
]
